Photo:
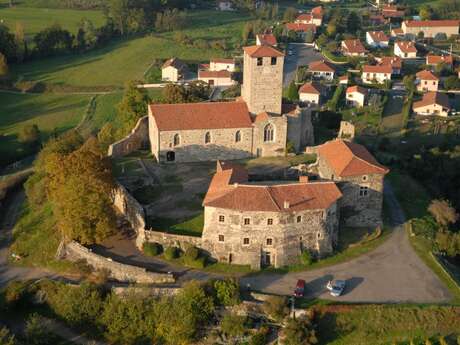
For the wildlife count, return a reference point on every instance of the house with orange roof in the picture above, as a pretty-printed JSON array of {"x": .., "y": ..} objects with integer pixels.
[
  {"x": 392, "y": 11},
  {"x": 433, "y": 60},
  {"x": 310, "y": 93},
  {"x": 173, "y": 70},
  {"x": 222, "y": 64},
  {"x": 300, "y": 29},
  {"x": 360, "y": 178},
  {"x": 377, "y": 39},
  {"x": 353, "y": 47},
  {"x": 356, "y": 96},
  {"x": 376, "y": 73},
  {"x": 433, "y": 103},
  {"x": 396, "y": 32},
  {"x": 216, "y": 78},
  {"x": 405, "y": 49},
  {"x": 266, "y": 39},
  {"x": 343, "y": 80},
  {"x": 315, "y": 17},
  {"x": 248, "y": 223},
  {"x": 394, "y": 61},
  {"x": 431, "y": 28},
  {"x": 426, "y": 81},
  {"x": 322, "y": 69}
]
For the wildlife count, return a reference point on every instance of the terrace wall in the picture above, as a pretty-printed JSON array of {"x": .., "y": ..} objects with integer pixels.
[{"x": 137, "y": 139}]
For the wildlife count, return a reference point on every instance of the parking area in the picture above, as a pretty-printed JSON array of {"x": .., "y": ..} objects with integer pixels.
[{"x": 302, "y": 55}]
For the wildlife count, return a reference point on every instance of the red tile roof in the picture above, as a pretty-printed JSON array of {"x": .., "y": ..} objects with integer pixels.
[
  {"x": 397, "y": 31},
  {"x": 378, "y": 36},
  {"x": 356, "y": 88},
  {"x": 318, "y": 10},
  {"x": 300, "y": 27},
  {"x": 262, "y": 51},
  {"x": 393, "y": 14},
  {"x": 349, "y": 159},
  {"x": 269, "y": 39},
  {"x": 393, "y": 61},
  {"x": 214, "y": 74},
  {"x": 435, "y": 59},
  {"x": 354, "y": 46},
  {"x": 190, "y": 116},
  {"x": 431, "y": 23},
  {"x": 305, "y": 17},
  {"x": 377, "y": 69},
  {"x": 426, "y": 75},
  {"x": 310, "y": 88},
  {"x": 222, "y": 60},
  {"x": 406, "y": 46},
  {"x": 431, "y": 98},
  {"x": 321, "y": 66},
  {"x": 262, "y": 117}
]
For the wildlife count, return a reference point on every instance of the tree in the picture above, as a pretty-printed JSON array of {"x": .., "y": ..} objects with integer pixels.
[
  {"x": 452, "y": 83},
  {"x": 448, "y": 243},
  {"x": 53, "y": 40},
  {"x": 227, "y": 291},
  {"x": 299, "y": 332},
  {"x": 292, "y": 93},
  {"x": 7, "y": 43},
  {"x": 174, "y": 93},
  {"x": 5, "y": 337},
  {"x": 132, "y": 107},
  {"x": 290, "y": 14},
  {"x": 425, "y": 12},
  {"x": 118, "y": 10},
  {"x": 3, "y": 65},
  {"x": 232, "y": 325},
  {"x": 353, "y": 22},
  {"x": 106, "y": 136},
  {"x": 443, "y": 212},
  {"x": 29, "y": 134},
  {"x": 428, "y": 342},
  {"x": 21, "y": 45},
  {"x": 409, "y": 82}
]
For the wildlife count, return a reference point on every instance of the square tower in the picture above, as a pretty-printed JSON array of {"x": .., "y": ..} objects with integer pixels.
[{"x": 263, "y": 79}]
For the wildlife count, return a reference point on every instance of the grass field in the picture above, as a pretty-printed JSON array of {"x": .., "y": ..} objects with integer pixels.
[{"x": 35, "y": 19}]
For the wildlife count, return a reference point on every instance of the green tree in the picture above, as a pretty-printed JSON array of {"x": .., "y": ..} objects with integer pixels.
[
  {"x": 276, "y": 307},
  {"x": 452, "y": 83},
  {"x": 233, "y": 325},
  {"x": 5, "y": 337},
  {"x": 290, "y": 14},
  {"x": 299, "y": 332},
  {"x": 425, "y": 12},
  {"x": 118, "y": 10},
  {"x": 106, "y": 136},
  {"x": 173, "y": 93},
  {"x": 29, "y": 134},
  {"x": 443, "y": 212},
  {"x": 19, "y": 37},
  {"x": 292, "y": 93},
  {"x": 227, "y": 291},
  {"x": 132, "y": 107},
  {"x": 3, "y": 65},
  {"x": 409, "y": 82}
]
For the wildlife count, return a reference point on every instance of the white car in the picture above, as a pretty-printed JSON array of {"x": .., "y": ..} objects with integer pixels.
[{"x": 336, "y": 287}]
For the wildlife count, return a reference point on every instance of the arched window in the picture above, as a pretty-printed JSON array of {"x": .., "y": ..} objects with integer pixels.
[
  {"x": 176, "y": 139},
  {"x": 237, "y": 136},
  {"x": 269, "y": 132},
  {"x": 207, "y": 138}
]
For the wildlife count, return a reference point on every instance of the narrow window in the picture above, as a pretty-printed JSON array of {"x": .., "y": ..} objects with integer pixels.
[
  {"x": 299, "y": 219},
  {"x": 238, "y": 136},
  {"x": 269, "y": 132},
  {"x": 207, "y": 138},
  {"x": 269, "y": 241},
  {"x": 270, "y": 221},
  {"x": 363, "y": 191},
  {"x": 259, "y": 61},
  {"x": 221, "y": 219},
  {"x": 273, "y": 61},
  {"x": 364, "y": 178},
  {"x": 246, "y": 241},
  {"x": 176, "y": 139},
  {"x": 247, "y": 221},
  {"x": 221, "y": 238}
]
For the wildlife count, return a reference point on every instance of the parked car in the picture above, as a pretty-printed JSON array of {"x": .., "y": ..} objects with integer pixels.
[
  {"x": 299, "y": 288},
  {"x": 336, "y": 287}
]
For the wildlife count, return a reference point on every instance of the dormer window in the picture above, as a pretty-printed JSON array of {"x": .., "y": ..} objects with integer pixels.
[{"x": 259, "y": 61}]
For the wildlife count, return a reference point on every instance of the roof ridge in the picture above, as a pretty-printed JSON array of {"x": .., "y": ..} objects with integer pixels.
[
  {"x": 363, "y": 160},
  {"x": 269, "y": 191}
]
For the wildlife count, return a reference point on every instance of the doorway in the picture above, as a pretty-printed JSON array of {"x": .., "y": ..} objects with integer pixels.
[
  {"x": 266, "y": 259},
  {"x": 170, "y": 156}
]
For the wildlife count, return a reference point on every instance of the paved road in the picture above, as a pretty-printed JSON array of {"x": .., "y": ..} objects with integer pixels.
[
  {"x": 302, "y": 56},
  {"x": 391, "y": 273}
]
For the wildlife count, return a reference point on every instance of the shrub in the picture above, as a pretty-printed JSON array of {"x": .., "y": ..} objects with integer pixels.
[
  {"x": 83, "y": 266},
  {"x": 16, "y": 294},
  {"x": 276, "y": 307},
  {"x": 152, "y": 249},
  {"x": 260, "y": 338},
  {"x": 305, "y": 258},
  {"x": 232, "y": 325},
  {"x": 171, "y": 253},
  {"x": 5, "y": 337},
  {"x": 227, "y": 291},
  {"x": 192, "y": 253},
  {"x": 199, "y": 262},
  {"x": 29, "y": 134}
]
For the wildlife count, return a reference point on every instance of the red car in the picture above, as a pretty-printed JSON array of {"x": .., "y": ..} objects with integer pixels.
[{"x": 300, "y": 288}]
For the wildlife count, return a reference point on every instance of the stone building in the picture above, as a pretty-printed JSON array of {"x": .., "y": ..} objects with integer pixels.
[
  {"x": 360, "y": 179},
  {"x": 270, "y": 223},
  {"x": 430, "y": 28}
]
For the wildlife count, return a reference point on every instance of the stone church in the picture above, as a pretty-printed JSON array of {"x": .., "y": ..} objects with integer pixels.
[{"x": 256, "y": 124}]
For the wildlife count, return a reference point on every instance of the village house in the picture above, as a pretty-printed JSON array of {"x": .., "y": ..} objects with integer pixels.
[
  {"x": 405, "y": 49},
  {"x": 356, "y": 96},
  {"x": 397, "y": 32},
  {"x": 216, "y": 78},
  {"x": 173, "y": 70},
  {"x": 360, "y": 179},
  {"x": 376, "y": 73},
  {"x": 266, "y": 39},
  {"x": 322, "y": 69},
  {"x": 394, "y": 61},
  {"x": 343, "y": 80},
  {"x": 433, "y": 60},
  {"x": 300, "y": 29},
  {"x": 268, "y": 224},
  {"x": 377, "y": 39},
  {"x": 310, "y": 93},
  {"x": 426, "y": 81},
  {"x": 430, "y": 28},
  {"x": 432, "y": 103},
  {"x": 391, "y": 11},
  {"x": 353, "y": 47},
  {"x": 220, "y": 64},
  {"x": 314, "y": 17}
]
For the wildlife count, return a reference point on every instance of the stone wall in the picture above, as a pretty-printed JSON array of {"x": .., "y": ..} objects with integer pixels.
[
  {"x": 172, "y": 240},
  {"x": 347, "y": 130},
  {"x": 300, "y": 128},
  {"x": 74, "y": 251},
  {"x": 137, "y": 139},
  {"x": 273, "y": 148}
]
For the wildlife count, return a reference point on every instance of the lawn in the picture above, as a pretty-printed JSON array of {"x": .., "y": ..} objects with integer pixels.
[
  {"x": 51, "y": 113},
  {"x": 386, "y": 324},
  {"x": 36, "y": 19},
  {"x": 190, "y": 227}
]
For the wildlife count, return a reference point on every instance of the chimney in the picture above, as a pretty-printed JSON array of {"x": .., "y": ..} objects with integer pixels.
[
  {"x": 303, "y": 178},
  {"x": 286, "y": 204}
]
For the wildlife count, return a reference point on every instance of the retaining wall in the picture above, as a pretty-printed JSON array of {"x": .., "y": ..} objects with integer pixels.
[
  {"x": 74, "y": 251},
  {"x": 137, "y": 139},
  {"x": 172, "y": 240}
]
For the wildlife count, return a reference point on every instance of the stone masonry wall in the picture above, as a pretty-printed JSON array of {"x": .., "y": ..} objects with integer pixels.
[
  {"x": 74, "y": 251},
  {"x": 172, "y": 240},
  {"x": 138, "y": 138},
  {"x": 278, "y": 146}
]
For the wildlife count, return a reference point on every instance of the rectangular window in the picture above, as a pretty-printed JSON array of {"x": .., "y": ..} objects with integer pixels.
[
  {"x": 363, "y": 191},
  {"x": 221, "y": 238},
  {"x": 299, "y": 219},
  {"x": 246, "y": 241},
  {"x": 269, "y": 241},
  {"x": 273, "y": 61},
  {"x": 269, "y": 221},
  {"x": 247, "y": 221},
  {"x": 221, "y": 219},
  {"x": 259, "y": 61}
]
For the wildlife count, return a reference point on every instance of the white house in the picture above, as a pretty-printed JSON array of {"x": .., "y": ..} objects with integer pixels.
[
  {"x": 356, "y": 96},
  {"x": 377, "y": 39},
  {"x": 216, "y": 78},
  {"x": 353, "y": 47},
  {"x": 426, "y": 81},
  {"x": 219, "y": 64},
  {"x": 432, "y": 103},
  {"x": 376, "y": 74},
  {"x": 314, "y": 17},
  {"x": 394, "y": 61},
  {"x": 310, "y": 93},
  {"x": 322, "y": 69},
  {"x": 405, "y": 49},
  {"x": 173, "y": 70}
]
